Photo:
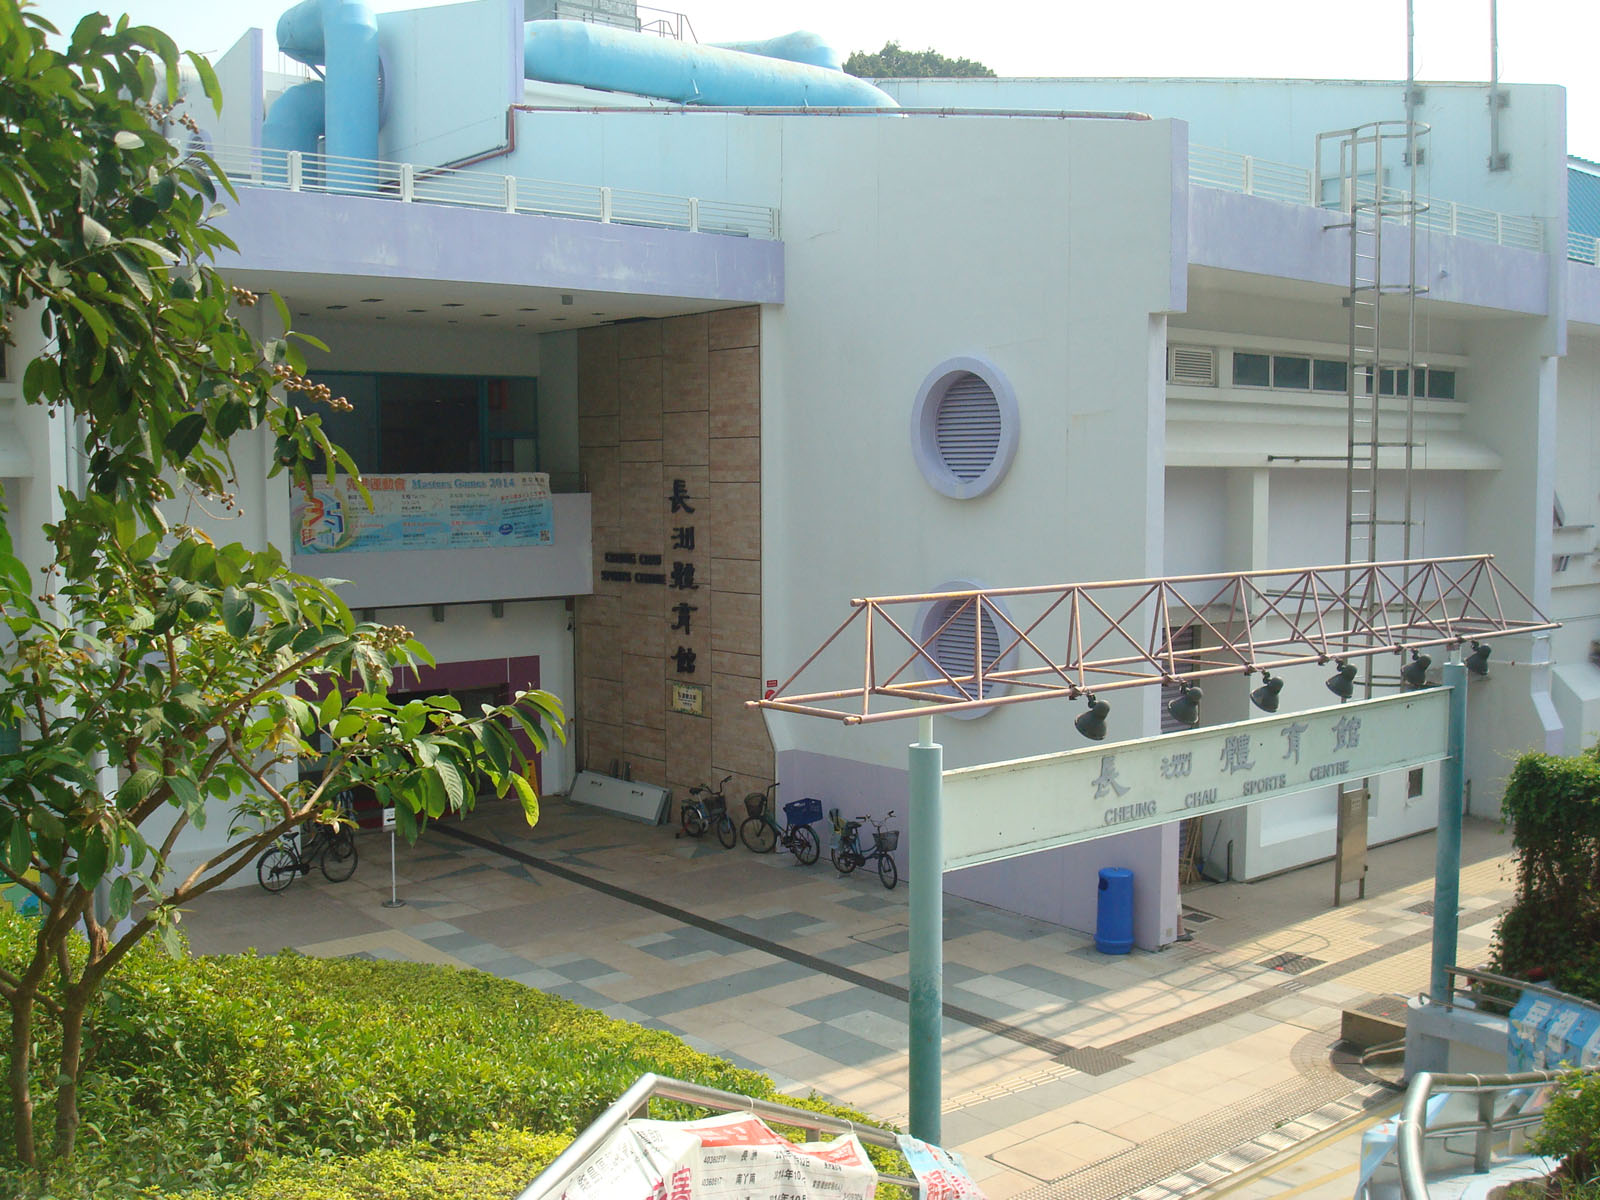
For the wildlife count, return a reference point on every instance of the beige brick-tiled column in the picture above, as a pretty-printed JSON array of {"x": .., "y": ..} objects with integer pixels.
[{"x": 670, "y": 443}]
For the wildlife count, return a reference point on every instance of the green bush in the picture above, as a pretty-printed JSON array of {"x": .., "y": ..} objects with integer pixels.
[
  {"x": 1552, "y": 930},
  {"x": 1571, "y": 1132},
  {"x": 288, "y": 1072}
]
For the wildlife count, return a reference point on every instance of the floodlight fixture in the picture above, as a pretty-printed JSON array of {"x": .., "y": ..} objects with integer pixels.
[
  {"x": 1478, "y": 661},
  {"x": 1092, "y": 724},
  {"x": 1415, "y": 673},
  {"x": 1265, "y": 697},
  {"x": 1342, "y": 683},
  {"x": 1185, "y": 709}
]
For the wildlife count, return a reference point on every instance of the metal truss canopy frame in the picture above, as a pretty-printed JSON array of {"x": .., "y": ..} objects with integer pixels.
[{"x": 1090, "y": 638}]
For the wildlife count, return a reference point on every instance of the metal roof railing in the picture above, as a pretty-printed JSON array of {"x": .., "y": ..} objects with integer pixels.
[
  {"x": 1582, "y": 247},
  {"x": 296, "y": 171},
  {"x": 1233, "y": 172}
]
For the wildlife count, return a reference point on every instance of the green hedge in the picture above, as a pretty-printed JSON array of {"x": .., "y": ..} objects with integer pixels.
[
  {"x": 1552, "y": 929},
  {"x": 295, "y": 1078}
]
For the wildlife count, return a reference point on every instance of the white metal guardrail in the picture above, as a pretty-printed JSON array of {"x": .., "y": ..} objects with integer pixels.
[
  {"x": 1233, "y": 172},
  {"x": 295, "y": 171}
]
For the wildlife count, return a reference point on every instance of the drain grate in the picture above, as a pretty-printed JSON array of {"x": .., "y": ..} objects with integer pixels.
[
  {"x": 1425, "y": 908},
  {"x": 1193, "y": 916},
  {"x": 1385, "y": 1006},
  {"x": 1092, "y": 1060},
  {"x": 1290, "y": 964}
]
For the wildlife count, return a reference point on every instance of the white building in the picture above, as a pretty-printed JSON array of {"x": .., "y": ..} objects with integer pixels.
[{"x": 711, "y": 325}]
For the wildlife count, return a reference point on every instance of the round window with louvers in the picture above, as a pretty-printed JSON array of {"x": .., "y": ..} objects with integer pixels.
[
  {"x": 966, "y": 639},
  {"x": 964, "y": 427}
]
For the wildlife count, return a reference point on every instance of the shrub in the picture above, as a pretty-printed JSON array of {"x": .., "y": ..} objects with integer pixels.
[
  {"x": 1571, "y": 1132},
  {"x": 302, "y": 1074},
  {"x": 1552, "y": 929}
]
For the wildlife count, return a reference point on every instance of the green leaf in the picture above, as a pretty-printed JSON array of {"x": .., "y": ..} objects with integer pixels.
[
  {"x": 332, "y": 704},
  {"x": 405, "y": 820},
  {"x": 455, "y": 789},
  {"x": 95, "y": 234},
  {"x": 529, "y": 798},
  {"x": 238, "y": 611},
  {"x": 92, "y": 858},
  {"x": 121, "y": 897},
  {"x": 497, "y": 746},
  {"x": 19, "y": 850},
  {"x": 127, "y": 140},
  {"x": 136, "y": 787}
]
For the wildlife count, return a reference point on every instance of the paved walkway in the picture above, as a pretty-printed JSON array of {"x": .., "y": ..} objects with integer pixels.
[{"x": 1068, "y": 1073}]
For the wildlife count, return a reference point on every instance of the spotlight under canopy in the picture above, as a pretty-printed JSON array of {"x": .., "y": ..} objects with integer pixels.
[
  {"x": 1415, "y": 674},
  {"x": 1342, "y": 683},
  {"x": 1092, "y": 724},
  {"x": 1478, "y": 661},
  {"x": 1265, "y": 697},
  {"x": 1185, "y": 709}
]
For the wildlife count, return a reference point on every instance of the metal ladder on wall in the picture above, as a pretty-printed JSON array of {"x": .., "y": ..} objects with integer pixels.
[{"x": 1379, "y": 437}]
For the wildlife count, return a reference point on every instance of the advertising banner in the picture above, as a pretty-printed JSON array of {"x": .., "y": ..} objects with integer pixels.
[
  {"x": 1545, "y": 1033},
  {"x": 424, "y": 512},
  {"x": 736, "y": 1156}
]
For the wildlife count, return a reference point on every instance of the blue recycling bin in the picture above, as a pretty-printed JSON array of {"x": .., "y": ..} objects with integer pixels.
[{"x": 1113, "y": 928}]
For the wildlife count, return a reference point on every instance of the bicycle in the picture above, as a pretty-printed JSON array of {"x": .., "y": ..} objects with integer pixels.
[
  {"x": 706, "y": 809},
  {"x": 333, "y": 846},
  {"x": 847, "y": 853},
  {"x": 761, "y": 833}
]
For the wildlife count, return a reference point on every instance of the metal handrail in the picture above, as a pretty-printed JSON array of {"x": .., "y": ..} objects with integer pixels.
[
  {"x": 297, "y": 171},
  {"x": 1521, "y": 985},
  {"x": 1413, "y": 1128},
  {"x": 1230, "y": 171},
  {"x": 636, "y": 1101}
]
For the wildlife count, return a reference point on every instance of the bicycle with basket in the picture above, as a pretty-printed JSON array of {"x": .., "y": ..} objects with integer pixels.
[
  {"x": 848, "y": 854},
  {"x": 763, "y": 835},
  {"x": 708, "y": 809}
]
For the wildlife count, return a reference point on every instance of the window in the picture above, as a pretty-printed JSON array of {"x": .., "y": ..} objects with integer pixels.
[
  {"x": 1393, "y": 382},
  {"x": 964, "y": 427},
  {"x": 1437, "y": 384},
  {"x": 1251, "y": 370},
  {"x": 436, "y": 424},
  {"x": 1330, "y": 375},
  {"x": 1291, "y": 371},
  {"x": 1413, "y": 783}
]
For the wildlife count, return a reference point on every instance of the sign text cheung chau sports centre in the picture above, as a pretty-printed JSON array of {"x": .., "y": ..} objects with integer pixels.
[{"x": 1004, "y": 809}]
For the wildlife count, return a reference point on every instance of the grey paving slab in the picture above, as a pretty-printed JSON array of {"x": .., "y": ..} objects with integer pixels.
[
  {"x": 686, "y": 940},
  {"x": 841, "y": 1046},
  {"x": 452, "y": 942},
  {"x": 848, "y": 1002},
  {"x": 1052, "y": 983},
  {"x": 741, "y": 983},
  {"x": 582, "y": 995},
  {"x": 580, "y": 969}
]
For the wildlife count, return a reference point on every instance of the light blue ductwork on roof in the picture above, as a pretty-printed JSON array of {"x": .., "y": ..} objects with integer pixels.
[
  {"x": 800, "y": 47},
  {"x": 617, "y": 60},
  {"x": 342, "y": 37}
]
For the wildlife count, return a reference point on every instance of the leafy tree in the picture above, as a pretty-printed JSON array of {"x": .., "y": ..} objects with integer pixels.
[
  {"x": 892, "y": 62},
  {"x": 160, "y": 676}
]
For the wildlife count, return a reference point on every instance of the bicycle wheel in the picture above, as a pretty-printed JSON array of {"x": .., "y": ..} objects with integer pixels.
[
  {"x": 726, "y": 834},
  {"x": 694, "y": 821},
  {"x": 845, "y": 861},
  {"x": 803, "y": 844},
  {"x": 339, "y": 859},
  {"x": 758, "y": 835},
  {"x": 276, "y": 868},
  {"x": 887, "y": 874}
]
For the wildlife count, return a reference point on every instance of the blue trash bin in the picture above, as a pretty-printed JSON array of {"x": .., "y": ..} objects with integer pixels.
[{"x": 1113, "y": 930}]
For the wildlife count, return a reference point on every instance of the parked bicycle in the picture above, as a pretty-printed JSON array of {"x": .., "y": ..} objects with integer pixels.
[
  {"x": 847, "y": 853},
  {"x": 708, "y": 809},
  {"x": 763, "y": 835},
  {"x": 295, "y": 853}
]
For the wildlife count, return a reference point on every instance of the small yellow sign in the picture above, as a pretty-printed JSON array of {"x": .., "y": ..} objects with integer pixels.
[{"x": 688, "y": 698}]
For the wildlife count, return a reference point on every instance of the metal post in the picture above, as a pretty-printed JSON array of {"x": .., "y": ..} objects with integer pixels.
[
  {"x": 926, "y": 863},
  {"x": 1447, "y": 854}
]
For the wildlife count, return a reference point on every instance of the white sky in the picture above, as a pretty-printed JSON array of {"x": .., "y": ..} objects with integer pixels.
[{"x": 1541, "y": 41}]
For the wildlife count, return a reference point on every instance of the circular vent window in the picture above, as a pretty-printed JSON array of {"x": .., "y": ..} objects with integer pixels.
[
  {"x": 964, "y": 427},
  {"x": 959, "y": 633}
]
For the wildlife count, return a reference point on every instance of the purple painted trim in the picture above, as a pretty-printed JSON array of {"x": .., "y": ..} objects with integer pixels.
[
  {"x": 322, "y": 234},
  {"x": 1235, "y": 232},
  {"x": 1583, "y": 293}
]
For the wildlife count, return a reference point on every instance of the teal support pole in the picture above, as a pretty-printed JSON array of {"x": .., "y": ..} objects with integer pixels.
[
  {"x": 926, "y": 864},
  {"x": 1447, "y": 854}
]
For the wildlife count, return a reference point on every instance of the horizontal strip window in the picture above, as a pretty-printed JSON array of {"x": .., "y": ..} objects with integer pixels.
[{"x": 1302, "y": 373}]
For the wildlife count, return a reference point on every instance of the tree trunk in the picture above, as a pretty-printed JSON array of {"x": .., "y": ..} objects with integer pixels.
[
  {"x": 21, "y": 1095},
  {"x": 71, "y": 1066}
]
